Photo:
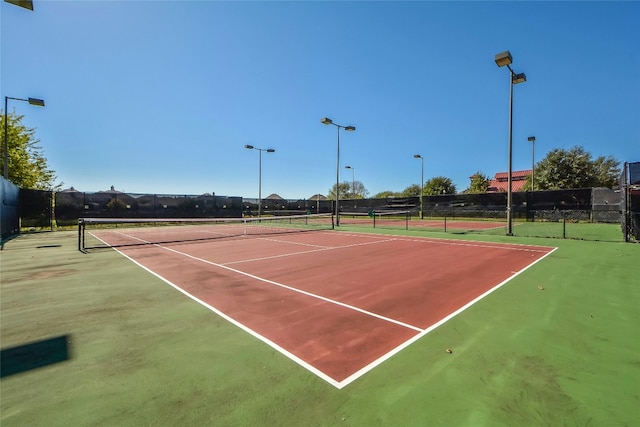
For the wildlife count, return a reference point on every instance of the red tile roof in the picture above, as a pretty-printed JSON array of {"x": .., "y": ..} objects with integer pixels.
[
  {"x": 514, "y": 174},
  {"x": 497, "y": 186},
  {"x": 501, "y": 180}
]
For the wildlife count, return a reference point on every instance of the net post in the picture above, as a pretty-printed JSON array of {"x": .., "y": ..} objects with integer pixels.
[
  {"x": 445, "y": 222},
  {"x": 80, "y": 235},
  {"x": 374, "y": 219},
  {"x": 564, "y": 225},
  {"x": 406, "y": 220}
]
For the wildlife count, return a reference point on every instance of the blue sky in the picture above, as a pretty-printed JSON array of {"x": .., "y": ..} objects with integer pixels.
[{"x": 162, "y": 96}]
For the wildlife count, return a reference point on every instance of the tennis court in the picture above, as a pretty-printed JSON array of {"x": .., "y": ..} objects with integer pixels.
[
  {"x": 337, "y": 303},
  {"x": 404, "y": 220}
]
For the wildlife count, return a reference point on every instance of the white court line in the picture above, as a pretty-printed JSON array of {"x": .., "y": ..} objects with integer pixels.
[
  {"x": 441, "y": 322},
  {"x": 231, "y": 320},
  {"x": 340, "y": 384},
  {"x": 272, "y": 282},
  {"x": 325, "y": 248},
  {"x": 471, "y": 243}
]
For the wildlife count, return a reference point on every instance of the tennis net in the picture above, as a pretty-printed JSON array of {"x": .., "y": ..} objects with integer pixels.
[
  {"x": 393, "y": 219},
  {"x": 96, "y": 233}
]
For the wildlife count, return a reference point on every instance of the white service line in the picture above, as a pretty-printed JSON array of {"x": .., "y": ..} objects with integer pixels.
[
  {"x": 271, "y": 282},
  {"x": 321, "y": 249}
]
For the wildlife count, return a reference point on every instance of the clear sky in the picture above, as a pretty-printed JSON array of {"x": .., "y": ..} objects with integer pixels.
[{"x": 162, "y": 96}]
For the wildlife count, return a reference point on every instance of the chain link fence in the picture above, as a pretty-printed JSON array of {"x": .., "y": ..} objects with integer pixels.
[{"x": 592, "y": 214}]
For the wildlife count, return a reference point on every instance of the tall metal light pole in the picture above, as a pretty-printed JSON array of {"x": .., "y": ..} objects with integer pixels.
[
  {"x": 260, "y": 150},
  {"x": 353, "y": 180},
  {"x": 533, "y": 161},
  {"x": 32, "y": 101},
  {"x": 418, "y": 156},
  {"x": 328, "y": 121},
  {"x": 505, "y": 59}
]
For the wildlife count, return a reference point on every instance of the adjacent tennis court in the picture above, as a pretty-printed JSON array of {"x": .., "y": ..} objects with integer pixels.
[
  {"x": 404, "y": 220},
  {"x": 336, "y": 303}
]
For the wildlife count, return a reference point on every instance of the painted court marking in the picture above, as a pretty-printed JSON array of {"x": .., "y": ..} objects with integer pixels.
[{"x": 420, "y": 332}]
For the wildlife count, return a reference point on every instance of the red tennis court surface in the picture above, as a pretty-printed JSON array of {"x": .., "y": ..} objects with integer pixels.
[{"x": 336, "y": 303}]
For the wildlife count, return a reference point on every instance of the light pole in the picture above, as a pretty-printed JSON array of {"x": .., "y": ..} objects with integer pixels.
[
  {"x": 418, "y": 156},
  {"x": 353, "y": 180},
  {"x": 328, "y": 121},
  {"x": 505, "y": 59},
  {"x": 533, "y": 161},
  {"x": 32, "y": 101},
  {"x": 260, "y": 150}
]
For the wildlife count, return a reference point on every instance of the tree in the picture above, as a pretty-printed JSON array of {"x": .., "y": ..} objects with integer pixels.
[
  {"x": 116, "y": 205},
  {"x": 411, "y": 191},
  {"x": 357, "y": 190},
  {"x": 607, "y": 171},
  {"x": 439, "y": 185},
  {"x": 344, "y": 189},
  {"x": 28, "y": 167},
  {"x": 385, "y": 194},
  {"x": 479, "y": 183},
  {"x": 574, "y": 168}
]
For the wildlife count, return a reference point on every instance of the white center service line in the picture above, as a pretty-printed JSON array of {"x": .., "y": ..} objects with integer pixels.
[
  {"x": 271, "y": 282},
  {"x": 321, "y": 249}
]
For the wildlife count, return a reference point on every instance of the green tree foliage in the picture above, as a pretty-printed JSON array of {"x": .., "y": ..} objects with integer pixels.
[
  {"x": 344, "y": 191},
  {"x": 479, "y": 183},
  {"x": 28, "y": 167},
  {"x": 356, "y": 190},
  {"x": 385, "y": 194},
  {"x": 411, "y": 191},
  {"x": 116, "y": 205},
  {"x": 574, "y": 168},
  {"x": 439, "y": 185}
]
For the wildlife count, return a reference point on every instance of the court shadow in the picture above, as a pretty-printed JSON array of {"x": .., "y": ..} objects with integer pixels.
[{"x": 26, "y": 357}]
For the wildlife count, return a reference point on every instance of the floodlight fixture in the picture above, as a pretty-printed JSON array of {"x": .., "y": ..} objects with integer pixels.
[
  {"x": 26, "y": 4},
  {"x": 503, "y": 59},
  {"x": 36, "y": 101},
  {"x": 353, "y": 179},
  {"x": 260, "y": 150},
  {"x": 328, "y": 121},
  {"x": 519, "y": 78}
]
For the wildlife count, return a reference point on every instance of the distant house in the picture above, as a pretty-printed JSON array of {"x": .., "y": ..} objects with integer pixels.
[
  {"x": 500, "y": 181},
  {"x": 273, "y": 196},
  {"x": 317, "y": 197},
  {"x": 107, "y": 197},
  {"x": 69, "y": 190}
]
